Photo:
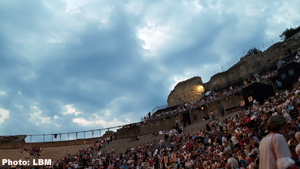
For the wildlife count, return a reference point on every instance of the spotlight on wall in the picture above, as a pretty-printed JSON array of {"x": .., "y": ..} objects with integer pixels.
[{"x": 200, "y": 88}]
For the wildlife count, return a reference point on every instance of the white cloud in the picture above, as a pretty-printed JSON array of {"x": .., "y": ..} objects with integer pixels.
[
  {"x": 198, "y": 7},
  {"x": 4, "y": 114},
  {"x": 36, "y": 117},
  {"x": 19, "y": 92},
  {"x": 154, "y": 35},
  {"x": 72, "y": 6},
  {"x": 2, "y": 93},
  {"x": 71, "y": 110},
  {"x": 82, "y": 122},
  {"x": 55, "y": 117},
  {"x": 99, "y": 121}
]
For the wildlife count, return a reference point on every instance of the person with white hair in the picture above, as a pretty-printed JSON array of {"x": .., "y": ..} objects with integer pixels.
[
  {"x": 274, "y": 150},
  {"x": 297, "y": 136},
  {"x": 287, "y": 116}
]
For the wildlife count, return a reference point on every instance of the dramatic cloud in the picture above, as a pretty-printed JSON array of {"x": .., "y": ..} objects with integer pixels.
[
  {"x": 81, "y": 65},
  {"x": 4, "y": 114}
]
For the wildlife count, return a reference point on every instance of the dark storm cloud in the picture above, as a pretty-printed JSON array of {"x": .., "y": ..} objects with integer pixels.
[
  {"x": 103, "y": 66},
  {"x": 77, "y": 65}
]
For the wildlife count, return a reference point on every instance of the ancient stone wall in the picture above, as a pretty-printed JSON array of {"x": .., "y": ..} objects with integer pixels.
[
  {"x": 185, "y": 91},
  {"x": 48, "y": 144},
  {"x": 13, "y": 139},
  {"x": 249, "y": 64},
  {"x": 226, "y": 103},
  {"x": 167, "y": 123},
  {"x": 153, "y": 126},
  {"x": 252, "y": 64}
]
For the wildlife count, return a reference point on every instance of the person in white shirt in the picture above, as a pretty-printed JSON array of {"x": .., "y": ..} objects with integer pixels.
[
  {"x": 235, "y": 141},
  {"x": 274, "y": 150},
  {"x": 232, "y": 162},
  {"x": 287, "y": 116}
]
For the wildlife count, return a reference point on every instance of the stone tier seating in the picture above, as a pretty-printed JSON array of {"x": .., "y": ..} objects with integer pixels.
[
  {"x": 194, "y": 128},
  {"x": 121, "y": 145},
  {"x": 57, "y": 153},
  {"x": 53, "y": 153},
  {"x": 12, "y": 154}
]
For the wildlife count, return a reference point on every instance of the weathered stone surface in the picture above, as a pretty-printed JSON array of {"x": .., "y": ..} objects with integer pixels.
[
  {"x": 19, "y": 145},
  {"x": 110, "y": 134},
  {"x": 252, "y": 64},
  {"x": 185, "y": 91},
  {"x": 249, "y": 64},
  {"x": 13, "y": 139}
]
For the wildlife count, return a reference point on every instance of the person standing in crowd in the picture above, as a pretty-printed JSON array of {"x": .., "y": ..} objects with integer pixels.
[
  {"x": 212, "y": 115},
  {"x": 222, "y": 111},
  {"x": 232, "y": 162},
  {"x": 274, "y": 150}
]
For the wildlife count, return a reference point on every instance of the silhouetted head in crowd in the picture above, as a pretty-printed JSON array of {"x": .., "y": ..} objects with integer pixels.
[{"x": 276, "y": 123}]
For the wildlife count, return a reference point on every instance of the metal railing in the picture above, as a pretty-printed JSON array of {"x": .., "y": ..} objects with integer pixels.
[
  {"x": 158, "y": 108},
  {"x": 66, "y": 136}
]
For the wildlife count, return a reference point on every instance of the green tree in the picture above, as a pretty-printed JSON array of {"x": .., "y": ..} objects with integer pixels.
[
  {"x": 287, "y": 33},
  {"x": 254, "y": 51}
]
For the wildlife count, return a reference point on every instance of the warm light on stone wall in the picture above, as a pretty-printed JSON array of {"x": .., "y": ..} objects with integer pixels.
[{"x": 200, "y": 89}]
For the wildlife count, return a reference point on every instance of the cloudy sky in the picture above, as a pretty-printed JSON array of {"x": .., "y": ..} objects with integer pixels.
[{"x": 73, "y": 65}]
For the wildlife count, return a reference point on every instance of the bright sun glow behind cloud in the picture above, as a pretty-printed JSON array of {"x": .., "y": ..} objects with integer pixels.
[{"x": 154, "y": 36}]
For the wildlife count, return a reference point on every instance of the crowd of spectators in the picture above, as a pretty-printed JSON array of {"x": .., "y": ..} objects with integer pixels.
[
  {"x": 34, "y": 152},
  {"x": 212, "y": 95},
  {"x": 260, "y": 136},
  {"x": 81, "y": 159},
  {"x": 262, "y": 77},
  {"x": 229, "y": 143},
  {"x": 289, "y": 56},
  {"x": 135, "y": 138}
]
